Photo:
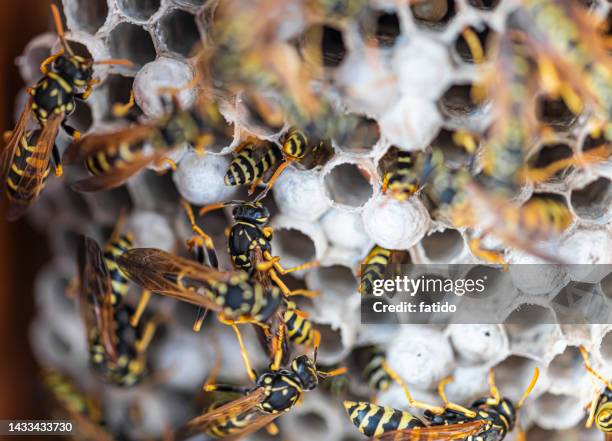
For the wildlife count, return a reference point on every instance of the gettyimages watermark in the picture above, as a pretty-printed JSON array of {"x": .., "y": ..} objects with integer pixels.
[{"x": 458, "y": 293}]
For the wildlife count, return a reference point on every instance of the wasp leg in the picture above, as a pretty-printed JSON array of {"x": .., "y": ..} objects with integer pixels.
[
  {"x": 165, "y": 160},
  {"x": 200, "y": 240},
  {"x": 452, "y": 406},
  {"x": 490, "y": 256},
  {"x": 278, "y": 349},
  {"x": 474, "y": 45},
  {"x": 272, "y": 429},
  {"x": 437, "y": 410},
  {"x": 212, "y": 207},
  {"x": 521, "y": 401},
  {"x": 202, "y": 142},
  {"x": 385, "y": 184},
  {"x": 285, "y": 289},
  {"x": 245, "y": 357},
  {"x": 589, "y": 368},
  {"x": 71, "y": 131},
  {"x": 143, "y": 343},
  {"x": 121, "y": 110},
  {"x": 273, "y": 179},
  {"x": 145, "y": 296},
  {"x": 59, "y": 170},
  {"x": 274, "y": 260}
]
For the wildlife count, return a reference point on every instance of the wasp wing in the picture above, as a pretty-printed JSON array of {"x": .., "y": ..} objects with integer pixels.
[
  {"x": 258, "y": 422},
  {"x": 435, "y": 433},
  {"x": 489, "y": 205},
  {"x": 173, "y": 276},
  {"x": 116, "y": 176},
  {"x": 7, "y": 155},
  {"x": 35, "y": 167},
  {"x": 97, "y": 142},
  {"x": 96, "y": 290},
  {"x": 228, "y": 410},
  {"x": 608, "y": 437}
]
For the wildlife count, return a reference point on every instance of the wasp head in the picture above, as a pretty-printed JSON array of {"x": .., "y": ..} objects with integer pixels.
[
  {"x": 305, "y": 369},
  {"x": 254, "y": 212}
]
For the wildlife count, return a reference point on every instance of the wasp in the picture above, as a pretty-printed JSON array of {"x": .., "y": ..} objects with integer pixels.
[
  {"x": 251, "y": 163},
  {"x": 112, "y": 158},
  {"x": 487, "y": 419},
  {"x": 84, "y": 410},
  {"x": 250, "y": 249},
  {"x": 375, "y": 266},
  {"x": 276, "y": 391},
  {"x": 600, "y": 411},
  {"x": 232, "y": 295},
  {"x": 25, "y": 161},
  {"x": 573, "y": 57},
  {"x": 117, "y": 348}
]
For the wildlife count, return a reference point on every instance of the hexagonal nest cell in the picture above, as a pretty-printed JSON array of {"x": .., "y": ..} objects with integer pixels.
[
  {"x": 118, "y": 90},
  {"x": 324, "y": 41},
  {"x": 90, "y": 15},
  {"x": 362, "y": 138},
  {"x": 140, "y": 10},
  {"x": 486, "y": 5},
  {"x": 458, "y": 103},
  {"x": 593, "y": 202},
  {"x": 345, "y": 184},
  {"x": 443, "y": 246},
  {"x": 550, "y": 157},
  {"x": 554, "y": 113},
  {"x": 485, "y": 36},
  {"x": 435, "y": 14},
  {"x": 179, "y": 32},
  {"x": 131, "y": 42},
  {"x": 380, "y": 28}
]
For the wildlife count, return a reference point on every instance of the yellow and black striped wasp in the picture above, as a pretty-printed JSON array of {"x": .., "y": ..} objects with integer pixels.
[
  {"x": 254, "y": 159},
  {"x": 374, "y": 372},
  {"x": 117, "y": 347},
  {"x": 276, "y": 391},
  {"x": 250, "y": 249},
  {"x": 112, "y": 158},
  {"x": 232, "y": 295},
  {"x": 572, "y": 54},
  {"x": 376, "y": 266},
  {"x": 24, "y": 162},
  {"x": 487, "y": 419},
  {"x": 84, "y": 410},
  {"x": 600, "y": 410}
]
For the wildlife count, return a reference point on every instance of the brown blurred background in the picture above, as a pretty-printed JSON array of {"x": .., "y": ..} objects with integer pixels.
[{"x": 22, "y": 250}]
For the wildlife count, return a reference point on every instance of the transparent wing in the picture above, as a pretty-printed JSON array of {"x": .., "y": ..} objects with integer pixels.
[{"x": 435, "y": 433}]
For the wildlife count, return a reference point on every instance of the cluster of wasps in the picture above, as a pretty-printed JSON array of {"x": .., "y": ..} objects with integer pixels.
[{"x": 568, "y": 60}]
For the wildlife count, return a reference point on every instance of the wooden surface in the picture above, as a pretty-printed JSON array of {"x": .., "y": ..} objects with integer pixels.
[{"x": 22, "y": 251}]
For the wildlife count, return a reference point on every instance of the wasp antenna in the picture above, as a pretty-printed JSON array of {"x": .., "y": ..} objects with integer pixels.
[
  {"x": 534, "y": 379},
  {"x": 57, "y": 18},
  {"x": 117, "y": 62}
]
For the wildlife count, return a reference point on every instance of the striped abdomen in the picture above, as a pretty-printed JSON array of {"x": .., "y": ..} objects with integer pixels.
[
  {"x": 402, "y": 180},
  {"x": 294, "y": 144},
  {"x": 107, "y": 160},
  {"x": 246, "y": 168},
  {"x": 299, "y": 327},
  {"x": 112, "y": 251},
  {"x": 239, "y": 298},
  {"x": 373, "y": 420},
  {"x": 374, "y": 268},
  {"x": 229, "y": 426},
  {"x": 26, "y": 154},
  {"x": 374, "y": 373}
]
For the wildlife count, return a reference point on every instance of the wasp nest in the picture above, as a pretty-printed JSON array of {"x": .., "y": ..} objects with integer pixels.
[{"x": 408, "y": 72}]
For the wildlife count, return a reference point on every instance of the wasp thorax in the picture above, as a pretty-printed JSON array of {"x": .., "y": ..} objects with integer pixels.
[
  {"x": 74, "y": 68},
  {"x": 282, "y": 390}
]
